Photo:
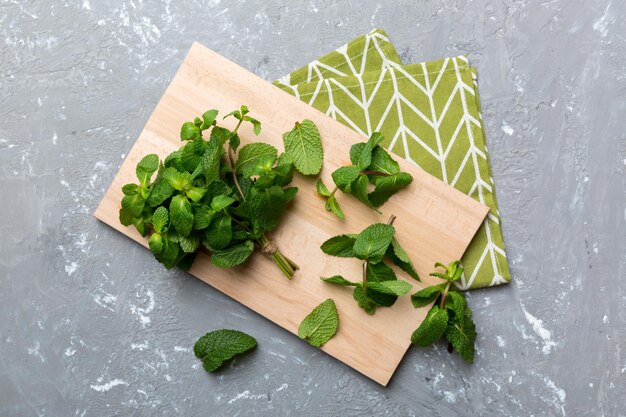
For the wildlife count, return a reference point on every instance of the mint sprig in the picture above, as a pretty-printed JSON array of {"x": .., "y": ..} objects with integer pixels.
[
  {"x": 450, "y": 316},
  {"x": 371, "y": 165},
  {"x": 379, "y": 285},
  {"x": 213, "y": 195}
]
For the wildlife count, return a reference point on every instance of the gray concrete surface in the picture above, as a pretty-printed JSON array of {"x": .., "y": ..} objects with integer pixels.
[{"x": 90, "y": 325}]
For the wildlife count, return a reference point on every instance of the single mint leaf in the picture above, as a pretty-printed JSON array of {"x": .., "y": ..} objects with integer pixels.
[
  {"x": 192, "y": 154},
  {"x": 339, "y": 280},
  {"x": 221, "y": 202},
  {"x": 388, "y": 186},
  {"x": 340, "y": 246},
  {"x": 181, "y": 215},
  {"x": 333, "y": 205},
  {"x": 219, "y": 233},
  {"x": 365, "y": 157},
  {"x": 208, "y": 118},
  {"x": 218, "y": 346},
  {"x": 210, "y": 161},
  {"x": 304, "y": 145},
  {"x": 233, "y": 255},
  {"x": 424, "y": 297},
  {"x": 398, "y": 255},
  {"x": 320, "y": 186},
  {"x": 255, "y": 158},
  {"x": 130, "y": 189},
  {"x": 161, "y": 191},
  {"x": 256, "y": 125},
  {"x": 321, "y": 324},
  {"x": 134, "y": 204},
  {"x": 177, "y": 180},
  {"x": 189, "y": 131},
  {"x": 359, "y": 190},
  {"x": 397, "y": 287},
  {"x": 461, "y": 333},
  {"x": 126, "y": 217},
  {"x": 455, "y": 302},
  {"x": 372, "y": 242},
  {"x": 146, "y": 167},
  {"x": 202, "y": 217},
  {"x": 156, "y": 243},
  {"x": 160, "y": 218},
  {"x": 266, "y": 207},
  {"x": 169, "y": 254},
  {"x": 190, "y": 243},
  {"x": 432, "y": 328},
  {"x": 383, "y": 162},
  {"x": 345, "y": 176},
  {"x": 355, "y": 152},
  {"x": 363, "y": 301}
]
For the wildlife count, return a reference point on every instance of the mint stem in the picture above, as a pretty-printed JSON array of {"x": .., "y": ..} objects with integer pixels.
[
  {"x": 442, "y": 305},
  {"x": 232, "y": 163}
]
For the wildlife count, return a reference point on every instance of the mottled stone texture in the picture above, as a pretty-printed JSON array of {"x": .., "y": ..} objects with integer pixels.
[{"x": 91, "y": 325}]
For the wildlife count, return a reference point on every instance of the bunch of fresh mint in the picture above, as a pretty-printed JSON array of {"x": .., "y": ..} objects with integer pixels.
[
  {"x": 371, "y": 164},
  {"x": 379, "y": 286},
  {"x": 450, "y": 316},
  {"x": 210, "y": 195}
]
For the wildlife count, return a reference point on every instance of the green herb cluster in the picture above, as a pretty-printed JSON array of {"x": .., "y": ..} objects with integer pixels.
[
  {"x": 450, "y": 316},
  {"x": 218, "y": 346},
  {"x": 371, "y": 165},
  {"x": 210, "y": 195},
  {"x": 379, "y": 286}
]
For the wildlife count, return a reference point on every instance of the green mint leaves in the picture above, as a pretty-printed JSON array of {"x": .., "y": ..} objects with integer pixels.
[
  {"x": 216, "y": 347},
  {"x": 207, "y": 196},
  {"x": 450, "y": 316},
  {"x": 379, "y": 285},
  {"x": 321, "y": 324},
  {"x": 371, "y": 166},
  {"x": 304, "y": 146}
]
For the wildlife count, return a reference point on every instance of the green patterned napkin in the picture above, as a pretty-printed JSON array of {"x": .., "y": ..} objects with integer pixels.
[{"x": 429, "y": 114}]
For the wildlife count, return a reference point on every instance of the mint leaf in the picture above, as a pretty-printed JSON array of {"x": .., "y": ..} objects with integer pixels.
[
  {"x": 340, "y": 246},
  {"x": 266, "y": 207},
  {"x": 146, "y": 167},
  {"x": 432, "y": 328},
  {"x": 333, "y": 205},
  {"x": 427, "y": 295},
  {"x": 190, "y": 243},
  {"x": 232, "y": 255},
  {"x": 218, "y": 346},
  {"x": 255, "y": 158},
  {"x": 195, "y": 194},
  {"x": 372, "y": 242},
  {"x": 383, "y": 162},
  {"x": 359, "y": 190},
  {"x": 461, "y": 333},
  {"x": 192, "y": 154},
  {"x": 378, "y": 273},
  {"x": 455, "y": 302},
  {"x": 304, "y": 146},
  {"x": 364, "y": 157},
  {"x": 189, "y": 131},
  {"x": 177, "y": 180},
  {"x": 161, "y": 191},
  {"x": 155, "y": 243},
  {"x": 256, "y": 125},
  {"x": 130, "y": 189},
  {"x": 202, "y": 217},
  {"x": 160, "y": 218},
  {"x": 345, "y": 176},
  {"x": 321, "y": 188},
  {"x": 397, "y": 254},
  {"x": 208, "y": 119},
  {"x": 134, "y": 204},
  {"x": 219, "y": 233},
  {"x": 388, "y": 186},
  {"x": 397, "y": 287},
  {"x": 126, "y": 217},
  {"x": 220, "y": 202},
  {"x": 355, "y": 152},
  {"x": 181, "y": 215},
  {"x": 321, "y": 324},
  {"x": 363, "y": 301},
  {"x": 283, "y": 171},
  {"x": 339, "y": 280}
]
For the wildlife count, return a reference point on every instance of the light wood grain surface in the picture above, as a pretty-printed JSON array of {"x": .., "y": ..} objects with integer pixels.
[{"x": 434, "y": 221}]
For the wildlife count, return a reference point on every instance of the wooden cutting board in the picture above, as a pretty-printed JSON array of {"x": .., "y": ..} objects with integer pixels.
[{"x": 434, "y": 221}]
